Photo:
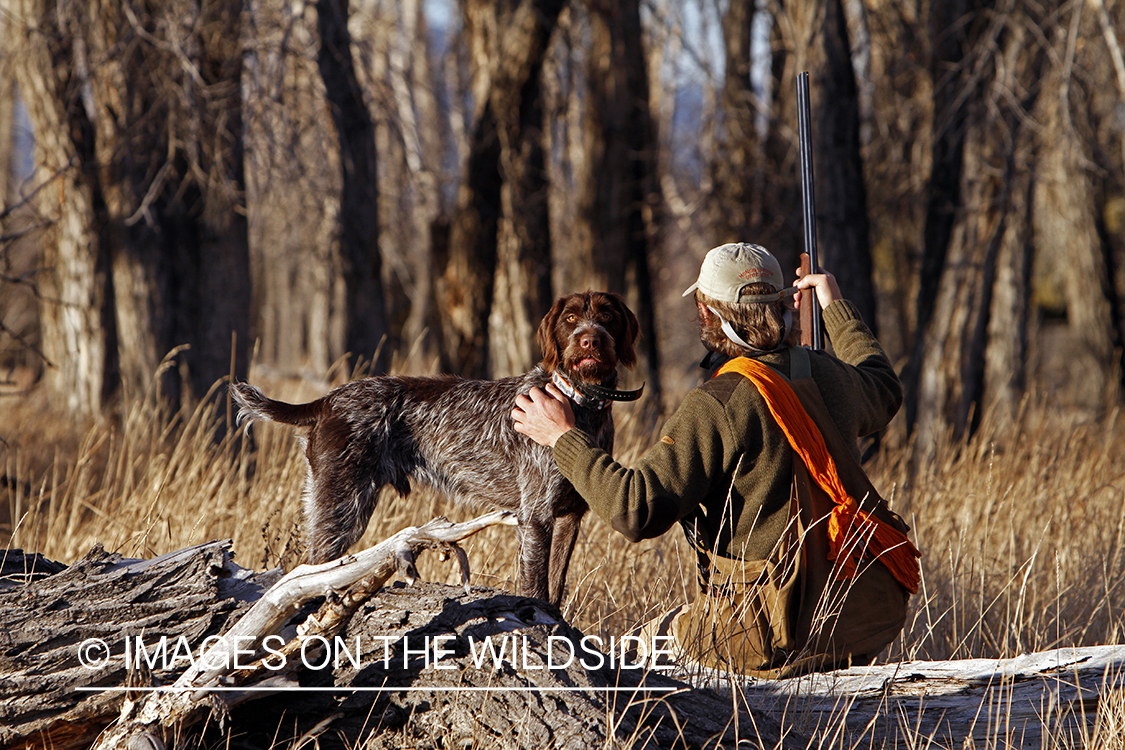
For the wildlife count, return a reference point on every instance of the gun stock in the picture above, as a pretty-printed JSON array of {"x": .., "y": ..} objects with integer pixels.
[{"x": 808, "y": 307}]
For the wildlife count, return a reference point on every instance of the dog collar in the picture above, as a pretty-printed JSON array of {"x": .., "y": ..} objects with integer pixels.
[{"x": 592, "y": 396}]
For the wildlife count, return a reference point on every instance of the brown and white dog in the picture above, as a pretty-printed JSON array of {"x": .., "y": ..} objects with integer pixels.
[{"x": 456, "y": 436}]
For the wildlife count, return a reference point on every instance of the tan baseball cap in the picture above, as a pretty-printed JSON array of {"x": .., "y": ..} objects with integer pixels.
[{"x": 728, "y": 268}]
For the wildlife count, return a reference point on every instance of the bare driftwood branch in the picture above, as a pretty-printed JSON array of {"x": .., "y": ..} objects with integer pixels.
[
  {"x": 424, "y": 666},
  {"x": 1058, "y": 698},
  {"x": 347, "y": 582}
]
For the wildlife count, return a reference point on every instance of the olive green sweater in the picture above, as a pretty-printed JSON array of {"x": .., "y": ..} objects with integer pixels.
[{"x": 722, "y": 466}]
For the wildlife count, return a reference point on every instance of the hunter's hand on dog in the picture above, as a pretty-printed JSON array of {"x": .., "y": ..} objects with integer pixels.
[{"x": 543, "y": 415}]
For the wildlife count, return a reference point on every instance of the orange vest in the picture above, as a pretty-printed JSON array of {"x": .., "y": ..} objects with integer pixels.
[{"x": 851, "y": 531}]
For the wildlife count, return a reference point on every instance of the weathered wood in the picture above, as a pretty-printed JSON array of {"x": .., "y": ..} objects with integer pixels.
[
  {"x": 1047, "y": 699},
  {"x": 238, "y": 658},
  {"x": 436, "y": 668},
  {"x": 195, "y": 593},
  {"x": 429, "y": 665},
  {"x": 18, "y": 567}
]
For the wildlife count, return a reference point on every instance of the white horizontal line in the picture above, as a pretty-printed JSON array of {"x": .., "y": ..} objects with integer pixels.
[{"x": 499, "y": 689}]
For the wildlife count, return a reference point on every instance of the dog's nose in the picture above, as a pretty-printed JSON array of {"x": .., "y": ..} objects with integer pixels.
[{"x": 589, "y": 340}]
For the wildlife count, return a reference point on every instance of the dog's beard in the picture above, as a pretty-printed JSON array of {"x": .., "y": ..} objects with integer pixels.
[{"x": 589, "y": 367}]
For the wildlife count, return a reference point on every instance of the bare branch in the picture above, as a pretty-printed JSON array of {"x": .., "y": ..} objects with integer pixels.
[{"x": 358, "y": 577}]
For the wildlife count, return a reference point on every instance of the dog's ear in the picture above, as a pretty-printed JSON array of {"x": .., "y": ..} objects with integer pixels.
[
  {"x": 546, "y": 336},
  {"x": 627, "y": 343}
]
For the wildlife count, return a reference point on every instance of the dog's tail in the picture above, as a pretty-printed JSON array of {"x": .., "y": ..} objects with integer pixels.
[{"x": 253, "y": 404}]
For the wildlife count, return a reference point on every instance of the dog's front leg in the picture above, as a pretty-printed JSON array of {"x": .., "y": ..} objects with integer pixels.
[
  {"x": 535, "y": 554},
  {"x": 563, "y": 537}
]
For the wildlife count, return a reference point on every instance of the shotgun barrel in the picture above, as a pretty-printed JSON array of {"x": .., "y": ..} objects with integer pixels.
[{"x": 810, "y": 309}]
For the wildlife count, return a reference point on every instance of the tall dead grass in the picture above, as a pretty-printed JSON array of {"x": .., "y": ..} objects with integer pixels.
[{"x": 1021, "y": 529}]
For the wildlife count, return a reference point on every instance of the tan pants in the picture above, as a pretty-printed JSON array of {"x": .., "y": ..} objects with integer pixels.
[
  {"x": 676, "y": 624},
  {"x": 736, "y": 633}
]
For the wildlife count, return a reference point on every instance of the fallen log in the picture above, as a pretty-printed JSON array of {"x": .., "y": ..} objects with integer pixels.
[
  {"x": 153, "y": 645},
  {"x": 1062, "y": 698},
  {"x": 431, "y": 666},
  {"x": 46, "y": 620}
]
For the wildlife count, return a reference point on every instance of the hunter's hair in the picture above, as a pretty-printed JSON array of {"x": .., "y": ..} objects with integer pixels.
[{"x": 760, "y": 324}]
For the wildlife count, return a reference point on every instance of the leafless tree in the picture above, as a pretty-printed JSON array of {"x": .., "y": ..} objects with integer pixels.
[
  {"x": 897, "y": 160},
  {"x": 137, "y": 113},
  {"x": 358, "y": 218},
  {"x": 414, "y": 102},
  {"x": 293, "y": 184},
  {"x": 1075, "y": 170},
  {"x": 7, "y": 118},
  {"x": 618, "y": 196},
  {"x": 499, "y": 224},
  {"x": 978, "y": 322},
  {"x": 740, "y": 167},
  {"x": 819, "y": 35}
]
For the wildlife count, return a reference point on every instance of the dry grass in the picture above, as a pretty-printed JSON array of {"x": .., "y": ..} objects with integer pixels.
[
  {"x": 1022, "y": 533},
  {"x": 1021, "y": 530}
]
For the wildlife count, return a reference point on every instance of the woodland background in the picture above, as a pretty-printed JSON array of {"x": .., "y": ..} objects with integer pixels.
[
  {"x": 277, "y": 185},
  {"x": 413, "y": 182}
]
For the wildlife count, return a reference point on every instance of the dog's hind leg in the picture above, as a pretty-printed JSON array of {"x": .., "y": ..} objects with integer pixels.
[
  {"x": 563, "y": 537},
  {"x": 335, "y": 512}
]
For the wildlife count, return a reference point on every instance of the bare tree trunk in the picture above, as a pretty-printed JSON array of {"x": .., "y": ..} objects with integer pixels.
[
  {"x": 174, "y": 190},
  {"x": 821, "y": 32},
  {"x": 562, "y": 146},
  {"x": 421, "y": 135},
  {"x": 1011, "y": 319},
  {"x": 963, "y": 343},
  {"x": 298, "y": 290},
  {"x": 953, "y": 38},
  {"x": 619, "y": 197},
  {"x": 76, "y": 317},
  {"x": 522, "y": 294},
  {"x": 468, "y": 279},
  {"x": 895, "y": 156},
  {"x": 8, "y": 42},
  {"x": 150, "y": 110},
  {"x": 1105, "y": 134},
  {"x": 737, "y": 202},
  {"x": 663, "y": 60},
  {"x": 358, "y": 218},
  {"x": 1066, "y": 223},
  {"x": 213, "y": 288},
  {"x": 19, "y": 252},
  {"x": 508, "y": 45},
  {"x": 776, "y": 211},
  {"x": 844, "y": 233}
]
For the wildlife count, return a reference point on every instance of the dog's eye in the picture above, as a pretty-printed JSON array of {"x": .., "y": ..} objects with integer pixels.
[{"x": 572, "y": 318}]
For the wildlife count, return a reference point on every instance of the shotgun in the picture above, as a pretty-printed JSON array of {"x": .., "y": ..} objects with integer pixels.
[{"x": 810, "y": 309}]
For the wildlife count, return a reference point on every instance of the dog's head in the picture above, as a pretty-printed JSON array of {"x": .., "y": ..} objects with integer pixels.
[{"x": 587, "y": 335}]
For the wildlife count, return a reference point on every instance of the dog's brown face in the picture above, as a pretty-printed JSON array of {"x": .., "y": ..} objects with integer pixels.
[{"x": 587, "y": 335}]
